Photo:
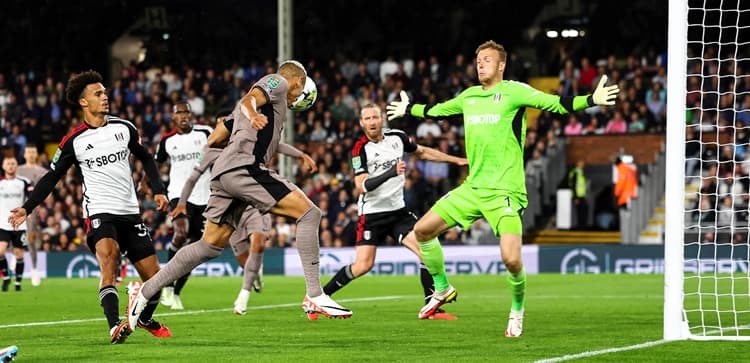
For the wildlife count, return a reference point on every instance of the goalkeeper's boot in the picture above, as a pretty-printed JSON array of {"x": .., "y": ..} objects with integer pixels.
[
  {"x": 438, "y": 299},
  {"x": 8, "y": 354},
  {"x": 167, "y": 296},
  {"x": 323, "y": 304},
  {"x": 156, "y": 328},
  {"x": 515, "y": 324},
  {"x": 119, "y": 333},
  {"x": 240, "y": 305},
  {"x": 136, "y": 303}
]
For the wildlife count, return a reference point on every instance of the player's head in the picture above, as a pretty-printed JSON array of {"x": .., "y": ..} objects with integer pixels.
[
  {"x": 371, "y": 120},
  {"x": 10, "y": 165},
  {"x": 295, "y": 74},
  {"x": 490, "y": 62},
  {"x": 30, "y": 154},
  {"x": 86, "y": 90},
  {"x": 182, "y": 115}
]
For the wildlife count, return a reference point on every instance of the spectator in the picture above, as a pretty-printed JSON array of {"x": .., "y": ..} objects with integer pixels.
[
  {"x": 428, "y": 126},
  {"x": 617, "y": 125},
  {"x": 573, "y": 127}
]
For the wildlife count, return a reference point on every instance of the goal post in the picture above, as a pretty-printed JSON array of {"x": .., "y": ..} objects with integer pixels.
[
  {"x": 674, "y": 235},
  {"x": 707, "y": 239}
]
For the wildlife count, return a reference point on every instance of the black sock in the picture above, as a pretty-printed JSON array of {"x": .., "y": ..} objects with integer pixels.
[
  {"x": 171, "y": 251},
  {"x": 343, "y": 277},
  {"x": 427, "y": 284},
  {"x": 19, "y": 270},
  {"x": 180, "y": 283},
  {"x": 110, "y": 301},
  {"x": 4, "y": 267},
  {"x": 148, "y": 311}
]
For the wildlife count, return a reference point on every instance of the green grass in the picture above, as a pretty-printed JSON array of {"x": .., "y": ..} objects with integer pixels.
[{"x": 566, "y": 314}]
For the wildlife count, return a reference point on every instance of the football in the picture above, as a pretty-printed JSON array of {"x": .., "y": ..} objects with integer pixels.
[{"x": 307, "y": 98}]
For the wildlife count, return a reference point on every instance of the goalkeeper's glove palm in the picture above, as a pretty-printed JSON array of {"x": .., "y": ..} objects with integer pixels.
[
  {"x": 397, "y": 109},
  {"x": 605, "y": 95}
]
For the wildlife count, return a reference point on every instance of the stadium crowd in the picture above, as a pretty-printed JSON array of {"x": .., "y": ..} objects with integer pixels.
[{"x": 33, "y": 113}]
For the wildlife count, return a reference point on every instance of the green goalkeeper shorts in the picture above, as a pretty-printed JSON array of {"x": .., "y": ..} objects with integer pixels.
[{"x": 464, "y": 205}]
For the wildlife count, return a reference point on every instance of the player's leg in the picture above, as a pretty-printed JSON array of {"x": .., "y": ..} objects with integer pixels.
[
  {"x": 107, "y": 254},
  {"x": 296, "y": 205},
  {"x": 458, "y": 207},
  {"x": 257, "y": 247},
  {"x": 254, "y": 262},
  {"x": 371, "y": 229},
  {"x": 34, "y": 232},
  {"x": 194, "y": 233},
  {"x": 504, "y": 214},
  {"x": 3, "y": 261},
  {"x": 135, "y": 241},
  {"x": 404, "y": 233},
  {"x": 363, "y": 262},
  {"x": 18, "y": 252},
  {"x": 426, "y": 231},
  {"x": 181, "y": 227},
  {"x": 240, "y": 243},
  {"x": 249, "y": 253},
  {"x": 187, "y": 258}
]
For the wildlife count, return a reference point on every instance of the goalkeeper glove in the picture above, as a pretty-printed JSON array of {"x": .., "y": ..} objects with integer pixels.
[
  {"x": 604, "y": 95},
  {"x": 397, "y": 109}
]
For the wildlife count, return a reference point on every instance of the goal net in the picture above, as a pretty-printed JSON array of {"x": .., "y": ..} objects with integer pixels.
[{"x": 707, "y": 280}]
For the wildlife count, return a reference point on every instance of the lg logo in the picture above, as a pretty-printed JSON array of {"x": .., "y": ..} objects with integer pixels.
[{"x": 578, "y": 261}]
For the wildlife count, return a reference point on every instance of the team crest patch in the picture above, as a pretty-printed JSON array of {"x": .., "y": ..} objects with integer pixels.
[
  {"x": 273, "y": 82},
  {"x": 356, "y": 162},
  {"x": 497, "y": 98},
  {"x": 96, "y": 222},
  {"x": 57, "y": 156},
  {"x": 366, "y": 235}
]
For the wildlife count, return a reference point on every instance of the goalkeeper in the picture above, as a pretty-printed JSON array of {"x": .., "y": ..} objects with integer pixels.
[{"x": 495, "y": 127}]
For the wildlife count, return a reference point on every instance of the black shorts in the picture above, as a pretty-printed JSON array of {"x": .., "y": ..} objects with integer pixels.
[
  {"x": 373, "y": 229},
  {"x": 132, "y": 235},
  {"x": 196, "y": 221},
  {"x": 15, "y": 239}
]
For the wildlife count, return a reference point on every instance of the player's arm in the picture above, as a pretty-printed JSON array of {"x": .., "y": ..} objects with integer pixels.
[
  {"x": 362, "y": 178},
  {"x": 149, "y": 166},
  {"x": 209, "y": 156},
  {"x": 63, "y": 159},
  {"x": 527, "y": 96},
  {"x": 400, "y": 108},
  {"x": 249, "y": 107},
  {"x": 428, "y": 153},
  {"x": 220, "y": 136},
  {"x": 292, "y": 151},
  {"x": 160, "y": 157}
]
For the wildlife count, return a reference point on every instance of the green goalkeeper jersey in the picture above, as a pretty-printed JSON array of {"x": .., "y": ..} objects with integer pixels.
[{"x": 495, "y": 129}]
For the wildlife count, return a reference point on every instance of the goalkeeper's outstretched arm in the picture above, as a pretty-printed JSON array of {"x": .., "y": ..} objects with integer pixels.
[{"x": 400, "y": 108}]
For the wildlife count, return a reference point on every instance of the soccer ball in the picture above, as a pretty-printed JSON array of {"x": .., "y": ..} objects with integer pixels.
[{"x": 307, "y": 98}]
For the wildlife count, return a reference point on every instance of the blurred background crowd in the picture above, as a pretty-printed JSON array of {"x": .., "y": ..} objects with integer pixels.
[{"x": 353, "y": 61}]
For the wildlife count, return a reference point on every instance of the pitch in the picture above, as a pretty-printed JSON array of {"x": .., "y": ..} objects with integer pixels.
[{"x": 610, "y": 318}]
